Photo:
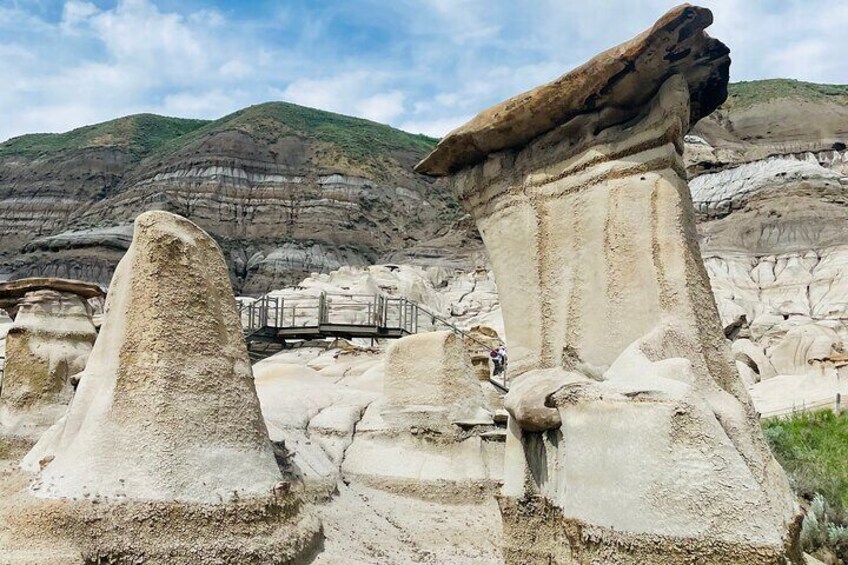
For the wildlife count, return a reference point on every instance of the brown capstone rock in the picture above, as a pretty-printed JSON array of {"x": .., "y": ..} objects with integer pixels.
[
  {"x": 615, "y": 84},
  {"x": 12, "y": 292}
]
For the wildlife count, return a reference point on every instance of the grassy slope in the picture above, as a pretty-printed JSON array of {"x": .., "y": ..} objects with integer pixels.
[
  {"x": 140, "y": 134},
  {"x": 144, "y": 134},
  {"x": 813, "y": 448},
  {"x": 745, "y": 94},
  {"x": 355, "y": 137}
]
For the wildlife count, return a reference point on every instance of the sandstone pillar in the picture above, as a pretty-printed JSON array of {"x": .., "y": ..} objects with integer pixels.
[
  {"x": 579, "y": 191},
  {"x": 48, "y": 343},
  {"x": 163, "y": 455}
]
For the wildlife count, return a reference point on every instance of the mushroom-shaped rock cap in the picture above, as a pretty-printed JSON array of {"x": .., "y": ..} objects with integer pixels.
[
  {"x": 621, "y": 79},
  {"x": 12, "y": 291}
]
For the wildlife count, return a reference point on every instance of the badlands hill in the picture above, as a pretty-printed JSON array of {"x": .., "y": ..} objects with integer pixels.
[
  {"x": 288, "y": 190},
  {"x": 285, "y": 190}
]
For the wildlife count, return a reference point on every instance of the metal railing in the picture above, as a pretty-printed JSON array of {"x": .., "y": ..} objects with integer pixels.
[
  {"x": 346, "y": 310},
  {"x": 361, "y": 310}
]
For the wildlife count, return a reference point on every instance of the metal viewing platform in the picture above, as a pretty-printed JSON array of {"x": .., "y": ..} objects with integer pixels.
[{"x": 273, "y": 322}]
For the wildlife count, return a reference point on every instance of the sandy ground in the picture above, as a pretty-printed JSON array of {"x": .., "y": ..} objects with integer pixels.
[
  {"x": 367, "y": 526},
  {"x": 363, "y": 525}
]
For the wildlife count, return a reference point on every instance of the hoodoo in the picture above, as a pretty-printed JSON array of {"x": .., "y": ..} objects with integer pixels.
[
  {"x": 163, "y": 455},
  {"x": 47, "y": 345},
  {"x": 632, "y": 438}
]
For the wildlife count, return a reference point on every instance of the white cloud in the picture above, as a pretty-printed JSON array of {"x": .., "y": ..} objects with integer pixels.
[
  {"x": 202, "y": 104},
  {"x": 424, "y": 65},
  {"x": 358, "y": 93},
  {"x": 383, "y": 107},
  {"x": 75, "y": 13}
]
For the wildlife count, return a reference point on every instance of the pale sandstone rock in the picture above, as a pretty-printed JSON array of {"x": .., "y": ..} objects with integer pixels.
[
  {"x": 590, "y": 228},
  {"x": 803, "y": 349},
  {"x": 528, "y": 401},
  {"x": 166, "y": 427},
  {"x": 427, "y": 435},
  {"x": 312, "y": 414},
  {"x": 325, "y": 407},
  {"x": 717, "y": 194},
  {"x": 46, "y": 346},
  {"x": 811, "y": 390},
  {"x": 754, "y": 357},
  {"x": 430, "y": 375}
]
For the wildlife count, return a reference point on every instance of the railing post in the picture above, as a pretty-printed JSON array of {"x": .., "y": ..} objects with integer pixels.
[
  {"x": 322, "y": 308},
  {"x": 402, "y": 314}
]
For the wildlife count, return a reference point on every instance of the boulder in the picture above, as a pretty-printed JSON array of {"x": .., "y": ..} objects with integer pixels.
[
  {"x": 431, "y": 374},
  {"x": 166, "y": 429},
  {"x": 579, "y": 191},
  {"x": 431, "y": 434}
]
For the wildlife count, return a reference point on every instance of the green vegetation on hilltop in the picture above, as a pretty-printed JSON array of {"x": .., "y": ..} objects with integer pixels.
[
  {"x": 745, "y": 94},
  {"x": 355, "y": 137},
  {"x": 144, "y": 134},
  {"x": 139, "y": 134}
]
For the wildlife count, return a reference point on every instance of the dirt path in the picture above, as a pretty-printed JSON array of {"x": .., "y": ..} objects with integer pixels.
[{"x": 366, "y": 526}]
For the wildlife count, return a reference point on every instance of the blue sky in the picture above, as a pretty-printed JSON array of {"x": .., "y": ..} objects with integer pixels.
[{"x": 421, "y": 65}]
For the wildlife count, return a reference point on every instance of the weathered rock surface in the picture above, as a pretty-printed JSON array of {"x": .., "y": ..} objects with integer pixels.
[
  {"x": 48, "y": 343},
  {"x": 590, "y": 228},
  {"x": 774, "y": 241},
  {"x": 165, "y": 428},
  {"x": 433, "y": 416}
]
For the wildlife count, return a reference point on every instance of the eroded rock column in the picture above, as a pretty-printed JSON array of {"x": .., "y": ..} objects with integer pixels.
[
  {"x": 430, "y": 435},
  {"x": 632, "y": 439},
  {"x": 164, "y": 456},
  {"x": 47, "y": 345}
]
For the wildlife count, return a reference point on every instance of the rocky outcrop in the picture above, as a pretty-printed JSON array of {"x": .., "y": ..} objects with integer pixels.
[
  {"x": 773, "y": 236},
  {"x": 767, "y": 118},
  {"x": 433, "y": 417},
  {"x": 165, "y": 429},
  {"x": 579, "y": 191},
  {"x": 285, "y": 191},
  {"x": 46, "y": 346}
]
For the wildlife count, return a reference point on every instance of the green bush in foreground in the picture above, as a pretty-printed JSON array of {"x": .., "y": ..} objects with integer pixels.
[{"x": 813, "y": 449}]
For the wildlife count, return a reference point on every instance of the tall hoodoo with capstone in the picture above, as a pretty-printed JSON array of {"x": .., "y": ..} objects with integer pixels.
[
  {"x": 47, "y": 345},
  {"x": 632, "y": 439},
  {"x": 163, "y": 455}
]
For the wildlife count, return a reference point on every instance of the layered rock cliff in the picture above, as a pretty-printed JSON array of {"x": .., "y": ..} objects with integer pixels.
[
  {"x": 770, "y": 185},
  {"x": 288, "y": 190},
  {"x": 285, "y": 190}
]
